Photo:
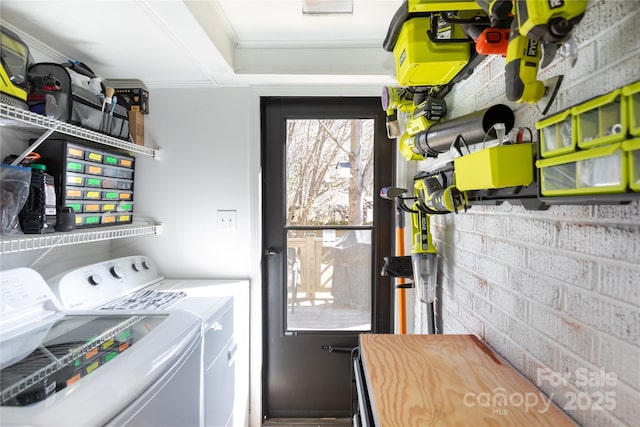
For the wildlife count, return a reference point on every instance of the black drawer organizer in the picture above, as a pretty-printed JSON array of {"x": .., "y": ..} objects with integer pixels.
[{"x": 96, "y": 182}]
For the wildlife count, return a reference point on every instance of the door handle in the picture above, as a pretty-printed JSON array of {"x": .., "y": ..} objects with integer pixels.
[
  {"x": 336, "y": 349},
  {"x": 271, "y": 251}
]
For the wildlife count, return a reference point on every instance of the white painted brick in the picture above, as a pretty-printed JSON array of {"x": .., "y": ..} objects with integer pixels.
[
  {"x": 505, "y": 347},
  {"x": 531, "y": 231},
  {"x": 492, "y": 225},
  {"x": 625, "y": 213},
  {"x": 464, "y": 221},
  {"x": 471, "y": 281},
  {"x": 490, "y": 94},
  {"x": 565, "y": 268},
  {"x": 462, "y": 296},
  {"x": 569, "y": 211},
  {"x": 574, "y": 336},
  {"x": 508, "y": 301},
  {"x": 492, "y": 315},
  {"x": 463, "y": 258},
  {"x": 604, "y": 14},
  {"x": 472, "y": 242},
  {"x": 533, "y": 342},
  {"x": 492, "y": 269},
  {"x": 508, "y": 252},
  {"x": 620, "y": 282},
  {"x": 536, "y": 287},
  {"x": 622, "y": 358},
  {"x": 619, "y": 320},
  {"x": 601, "y": 241},
  {"x": 627, "y": 407},
  {"x": 471, "y": 322},
  {"x": 449, "y": 304}
]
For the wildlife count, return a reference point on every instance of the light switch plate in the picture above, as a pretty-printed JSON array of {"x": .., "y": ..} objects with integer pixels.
[{"x": 227, "y": 219}]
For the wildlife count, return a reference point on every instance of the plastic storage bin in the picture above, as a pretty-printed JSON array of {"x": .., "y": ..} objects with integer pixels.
[
  {"x": 495, "y": 167},
  {"x": 600, "y": 170},
  {"x": 632, "y": 94},
  {"x": 602, "y": 120},
  {"x": 632, "y": 148},
  {"x": 557, "y": 134}
]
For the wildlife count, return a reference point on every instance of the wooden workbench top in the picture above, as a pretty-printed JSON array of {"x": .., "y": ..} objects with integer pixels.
[{"x": 449, "y": 380}]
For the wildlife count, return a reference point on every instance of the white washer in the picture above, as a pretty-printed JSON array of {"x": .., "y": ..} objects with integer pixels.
[
  {"x": 93, "y": 369},
  {"x": 135, "y": 283}
]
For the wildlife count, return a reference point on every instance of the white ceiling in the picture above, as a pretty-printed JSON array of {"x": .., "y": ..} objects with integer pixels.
[{"x": 174, "y": 43}]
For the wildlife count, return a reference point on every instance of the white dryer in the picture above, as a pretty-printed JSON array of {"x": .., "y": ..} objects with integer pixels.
[{"x": 135, "y": 283}]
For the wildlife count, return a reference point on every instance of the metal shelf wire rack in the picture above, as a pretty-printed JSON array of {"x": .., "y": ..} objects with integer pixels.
[{"x": 18, "y": 117}]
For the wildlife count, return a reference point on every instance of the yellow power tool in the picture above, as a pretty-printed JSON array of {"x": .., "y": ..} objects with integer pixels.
[
  {"x": 538, "y": 28},
  {"x": 13, "y": 73}
]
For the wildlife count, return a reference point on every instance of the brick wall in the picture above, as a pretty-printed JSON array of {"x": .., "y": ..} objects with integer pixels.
[{"x": 555, "y": 292}]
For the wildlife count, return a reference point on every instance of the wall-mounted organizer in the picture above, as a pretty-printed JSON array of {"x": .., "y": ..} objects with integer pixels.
[
  {"x": 601, "y": 170},
  {"x": 96, "y": 182},
  {"x": 557, "y": 134},
  {"x": 602, "y": 120},
  {"x": 632, "y": 148},
  {"x": 632, "y": 93},
  {"x": 587, "y": 154}
]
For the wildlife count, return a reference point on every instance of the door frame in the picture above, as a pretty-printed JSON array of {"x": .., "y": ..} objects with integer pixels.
[{"x": 382, "y": 293}]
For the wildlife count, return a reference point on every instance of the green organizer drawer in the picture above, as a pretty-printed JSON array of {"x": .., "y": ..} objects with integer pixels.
[
  {"x": 632, "y": 94},
  {"x": 602, "y": 120},
  {"x": 557, "y": 134},
  {"x": 632, "y": 147},
  {"x": 601, "y": 170}
]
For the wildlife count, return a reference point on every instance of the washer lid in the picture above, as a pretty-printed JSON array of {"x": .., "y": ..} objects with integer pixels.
[{"x": 28, "y": 308}]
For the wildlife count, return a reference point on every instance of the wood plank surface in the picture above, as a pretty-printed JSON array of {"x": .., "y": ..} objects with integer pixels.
[{"x": 449, "y": 380}]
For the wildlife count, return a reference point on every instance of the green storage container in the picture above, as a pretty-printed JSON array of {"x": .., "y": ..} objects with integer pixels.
[
  {"x": 632, "y": 94},
  {"x": 632, "y": 147},
  {"x": 602, "y": 120},
  {"x": 601, "y": 170},
  {"x": 557, "y": 134}
]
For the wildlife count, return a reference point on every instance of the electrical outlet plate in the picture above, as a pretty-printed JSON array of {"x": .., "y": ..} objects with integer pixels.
[{"x": 226, "y": 219}]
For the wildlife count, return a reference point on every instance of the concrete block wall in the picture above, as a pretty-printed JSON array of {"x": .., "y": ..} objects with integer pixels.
[{"x": 555, "y": 292}]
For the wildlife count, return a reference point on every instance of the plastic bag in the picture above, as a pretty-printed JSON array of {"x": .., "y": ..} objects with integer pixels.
[{"x": 14, "y": 190}]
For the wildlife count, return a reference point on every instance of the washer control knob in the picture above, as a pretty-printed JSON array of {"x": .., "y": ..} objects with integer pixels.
[
  {"x": 117, "y": 272},
  {"x": 146, "y": 265},
  {"x": 95, "y": 279},
  {"x": 136, "y": 266}
]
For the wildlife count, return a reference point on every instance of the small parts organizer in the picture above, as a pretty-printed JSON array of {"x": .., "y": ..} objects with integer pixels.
[
  {"x": 593, "y": 148},
  {"x": 96, "y": 183}
]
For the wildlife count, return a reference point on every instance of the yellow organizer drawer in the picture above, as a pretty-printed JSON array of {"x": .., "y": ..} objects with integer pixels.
[
  {"x": 632, "y": 147},
  {"x": 92, "y": 155},
  {"x": 557, "y": 134},
  {"x": 495, "y": 167},
  {"x": 420, "y": 62},
  {"x": 602, "y": 120},
  {"x": 632, "y": 93},
  {"x": 600, "y": 170}
]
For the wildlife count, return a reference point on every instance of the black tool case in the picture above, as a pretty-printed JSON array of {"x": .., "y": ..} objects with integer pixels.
[{"x": 77, "y": 105}]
